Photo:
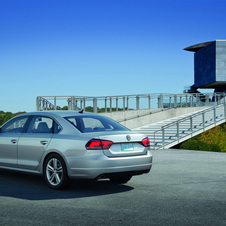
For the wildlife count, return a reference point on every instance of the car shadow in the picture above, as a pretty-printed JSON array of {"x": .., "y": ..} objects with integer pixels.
[{"x": 33, "y": 187}]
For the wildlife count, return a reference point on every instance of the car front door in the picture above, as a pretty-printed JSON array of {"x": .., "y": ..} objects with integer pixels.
[{"x": 10, "y": 134}]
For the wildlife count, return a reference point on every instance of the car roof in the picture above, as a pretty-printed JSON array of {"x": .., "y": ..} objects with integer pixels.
[{"x": 58, "y": 113}]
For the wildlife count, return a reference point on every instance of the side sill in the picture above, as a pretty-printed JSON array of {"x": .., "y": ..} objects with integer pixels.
[{"x": 20, "y": 170}]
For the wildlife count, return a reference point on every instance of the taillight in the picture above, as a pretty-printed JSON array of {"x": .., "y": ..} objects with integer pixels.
[
  {"x": 146, "y": 142},
  {"x": 97, "y": 144}
]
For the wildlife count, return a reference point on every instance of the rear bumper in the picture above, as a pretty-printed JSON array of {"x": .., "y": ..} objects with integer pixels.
[
  {"x": 129, "y": 173},
  {"x": 100, "y": 166}
]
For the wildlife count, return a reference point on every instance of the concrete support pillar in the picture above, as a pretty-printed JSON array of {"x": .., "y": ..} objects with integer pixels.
[
  {"x": 160, "y": 101},
  {"x": 105, "y": 104},
  {"x": 116, "y": 103},
  {"x": 137, "y": 102},
  {"x": 207, "y": 100},
  {"x": 84, "y": 103},
  {"x": 149, "y": 101},
  {"x": 124, "y": 103},
  {"x": 55, "y": 106},
  {"x": 95, "y": 105},
  {"x": 127, "y": 103},
  {"x": 38, "y": 104},
  {"x": 175, "y": 101},
  {"x": 110, "y": 104}
]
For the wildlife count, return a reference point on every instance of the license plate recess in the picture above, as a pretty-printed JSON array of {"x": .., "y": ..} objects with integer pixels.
[{"x": 127, "y": 146}]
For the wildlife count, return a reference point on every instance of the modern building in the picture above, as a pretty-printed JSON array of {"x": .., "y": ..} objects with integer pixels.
[{"x": 209, "y": 65}]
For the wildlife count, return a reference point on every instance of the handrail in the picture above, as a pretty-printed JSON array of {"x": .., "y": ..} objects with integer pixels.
[
  {"x": 194, "y": 115},
  {"x": 190, "y": 118}
]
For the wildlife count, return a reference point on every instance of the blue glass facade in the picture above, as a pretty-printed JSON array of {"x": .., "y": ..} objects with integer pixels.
[{"x": 210, "y": 64}]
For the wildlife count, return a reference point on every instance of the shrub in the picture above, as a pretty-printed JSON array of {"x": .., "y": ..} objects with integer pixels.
[{"x": 193, "y": 144}]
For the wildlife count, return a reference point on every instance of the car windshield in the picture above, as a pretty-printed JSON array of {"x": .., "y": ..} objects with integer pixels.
[{"x": 87, "y": 124}]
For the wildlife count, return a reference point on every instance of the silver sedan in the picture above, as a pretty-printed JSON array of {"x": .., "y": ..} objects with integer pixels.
[{"x": 64, "y": 145}]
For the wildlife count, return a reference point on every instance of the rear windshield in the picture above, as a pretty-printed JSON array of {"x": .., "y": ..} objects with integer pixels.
[{"x": 87, "y": 124}]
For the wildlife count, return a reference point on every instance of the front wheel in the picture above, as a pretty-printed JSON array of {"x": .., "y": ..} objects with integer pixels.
[
  {"x": 120, "y": 179},
  {"x": 55, "y": 172}
]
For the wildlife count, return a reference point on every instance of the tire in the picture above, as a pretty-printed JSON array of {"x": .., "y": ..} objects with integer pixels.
[
  {"x": 55, "y": 172},
  {"x": 120, "y": 179}
]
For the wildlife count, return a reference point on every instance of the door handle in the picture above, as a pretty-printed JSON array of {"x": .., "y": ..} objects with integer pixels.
[
  {"x": 44, "y": 142},
  {"x": 14, "y": 141}
]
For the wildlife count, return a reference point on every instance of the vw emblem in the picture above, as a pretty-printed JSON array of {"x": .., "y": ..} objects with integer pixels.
[{"x": 128, "y": 137}]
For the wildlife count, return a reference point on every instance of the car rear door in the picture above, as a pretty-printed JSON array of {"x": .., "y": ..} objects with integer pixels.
[{"x": 34, "y": 142}]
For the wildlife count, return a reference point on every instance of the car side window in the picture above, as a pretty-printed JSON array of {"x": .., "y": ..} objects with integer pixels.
[
  {"x": 40, "y": 124},
  {"x": 92, "y": 124},
  {"x": 87, "y": 124},
  {"x": 16, "y": 125}
]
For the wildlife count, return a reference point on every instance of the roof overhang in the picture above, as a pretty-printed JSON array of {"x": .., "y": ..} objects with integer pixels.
[{"x": 197, "y": 47}]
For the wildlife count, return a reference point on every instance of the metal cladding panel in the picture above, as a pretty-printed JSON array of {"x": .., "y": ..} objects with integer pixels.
[
  {"x": 205, "y": 65},
  {"x": 221, "y": 61}
]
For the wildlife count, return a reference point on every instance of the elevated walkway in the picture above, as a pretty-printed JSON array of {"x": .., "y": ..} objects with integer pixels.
[{"x": 168, "y": 119}]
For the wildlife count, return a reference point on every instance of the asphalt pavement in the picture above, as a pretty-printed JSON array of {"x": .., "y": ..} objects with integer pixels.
[{"x": 183, "y": 188}]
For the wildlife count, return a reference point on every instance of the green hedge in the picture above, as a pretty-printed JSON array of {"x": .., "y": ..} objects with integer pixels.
[{"x": 193, "y": 144}]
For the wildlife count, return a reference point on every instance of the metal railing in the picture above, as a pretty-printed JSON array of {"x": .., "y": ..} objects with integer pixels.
[
  {"x": 127, "y": 102},
  {"x": 180, "y": 130}
]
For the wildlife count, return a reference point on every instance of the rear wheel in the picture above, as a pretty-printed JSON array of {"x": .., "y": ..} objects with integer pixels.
[
  {"x": 120, "y": 179},
  {"x": 55, "y": 172}
]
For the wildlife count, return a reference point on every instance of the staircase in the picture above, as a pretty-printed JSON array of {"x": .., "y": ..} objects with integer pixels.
[{"x": 168, "y": 133}]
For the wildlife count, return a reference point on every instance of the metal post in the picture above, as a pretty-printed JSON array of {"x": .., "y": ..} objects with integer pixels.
[
  {"x": 178, "y": 132},
  {"x": 225, "y": 105},
  {"x": 170, "y": 102},
  {"x": 203, "y": 121},
  {"x": 163, "y": 137},
  {"x": 214, "y": 115},
  {"x": 191, "y": 125},
  {"x": 181, "y": 101}
]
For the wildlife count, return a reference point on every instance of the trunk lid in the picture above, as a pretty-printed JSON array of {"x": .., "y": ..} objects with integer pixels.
[{"x": 125, "y": 145}]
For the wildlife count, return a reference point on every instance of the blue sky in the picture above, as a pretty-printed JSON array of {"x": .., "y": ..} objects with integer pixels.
[{"x": 100, "y": 47}]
